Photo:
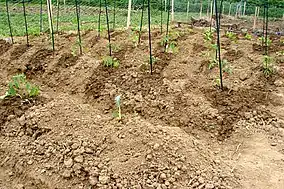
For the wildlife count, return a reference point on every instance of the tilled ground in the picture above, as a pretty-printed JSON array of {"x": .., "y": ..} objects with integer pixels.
[{"x": 178, "y": 129}]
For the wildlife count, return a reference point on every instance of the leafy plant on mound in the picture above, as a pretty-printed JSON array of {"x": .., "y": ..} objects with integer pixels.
[
  {"x": 20, "y": 87},
  {"x": 248, "y": 36},
  {"x": 268, "y": 66},
  {"x": 232, "y": 36},
  {"x": 224, "y": 63},
  {"x": 208, "y": 36},
  {"x": 262, "y": 40},
  {"x": 109, "y": 61}
]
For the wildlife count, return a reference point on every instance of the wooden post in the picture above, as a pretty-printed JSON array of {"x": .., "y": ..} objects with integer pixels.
[
  {"x": 129, "y": 14},
  {"x": 245, "y": 4},
  {"x": 254, "y": 20},
  {"x": 49, "y": 12},
  {"x": 208, "y": 9},
  {"x": 200, "y": 13},
  {"x": 187, "y": 11},
  {"x": 173, "y": 10},
  {"x": 230, "y": 9}
]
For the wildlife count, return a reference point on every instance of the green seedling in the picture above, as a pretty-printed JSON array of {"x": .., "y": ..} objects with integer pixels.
[
  {"x": 262, "y": 40},
  {"x": 226, "y": 68},
  {"x": 248, "y": 36},
  {"x": 232, "y": 36},
  {"x": 109, "y": 61},
  {"x": 268, "y": 66},
  {"x": 117, "y": 112},
  {"x": 208, "y": 35},
  {"x": 20, "y": 87}
]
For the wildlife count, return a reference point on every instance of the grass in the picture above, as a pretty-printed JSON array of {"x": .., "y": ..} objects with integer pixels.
[{"x": 67, "y": 19}]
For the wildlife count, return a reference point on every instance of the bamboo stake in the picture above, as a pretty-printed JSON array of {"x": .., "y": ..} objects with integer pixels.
[
  {"x": 150, "y": 42},
  {"x": 78, "y": 24},
  {"x": 26, "y": 23},
  {"x": 9, "y": 22},
  {"x": 129, "y": 14},
  {"x": 173, "y": 10},
  {"x": 201, "y": 7},
  {"x": 50, "y": 21},
  {"x": 254, "y": 20},
  {"x": 230, "y": 7},
  {"x": 187, "y": 11},
  {"x": 245, "y": 4}
]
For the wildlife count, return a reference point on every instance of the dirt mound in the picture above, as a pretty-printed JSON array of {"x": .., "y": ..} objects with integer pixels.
[
  {"x": 232, "y": 55},
  {"x": 38, "y": 63},
  {"x": 18, "y": 51},
  {"x": 4, "y": 46},
  {"x": 67, "y": 60}
]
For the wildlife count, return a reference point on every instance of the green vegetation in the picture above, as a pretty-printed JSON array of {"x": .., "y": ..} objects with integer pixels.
[
  {"x": 262, "y": 40},
  {"x": 232, "y": 36},
  {"x": 248, "y": 36},
  {"x": 224, "y": 63},
  {"x": 208, "y": 36},
  {"x": 109, "y": 61},
  {"x": 20, "y": 87},
  {"x": 268, "y": 66}
]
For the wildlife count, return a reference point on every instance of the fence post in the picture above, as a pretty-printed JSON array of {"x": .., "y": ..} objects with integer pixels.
[{"x": 129, "y": 14}]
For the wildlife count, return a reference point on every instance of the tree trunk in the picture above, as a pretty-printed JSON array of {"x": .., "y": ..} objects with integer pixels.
[{"x": 129, "y": 14}]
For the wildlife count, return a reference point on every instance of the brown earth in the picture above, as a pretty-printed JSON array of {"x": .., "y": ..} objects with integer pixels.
[{"x": 178, "y": 129}]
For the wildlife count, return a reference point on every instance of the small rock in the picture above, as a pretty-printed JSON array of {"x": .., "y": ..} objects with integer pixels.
[
  {"x": 67, "y": 173},
  {"x": 167, "y": 183},
  {"x": 75, "y": 146},
  {"x": 21, "y": 120},
  {"x": 20, "y": 186},
  {"x": 209, "y": 186},
  {"x": 163, "y": 176},
  {"x": 273, "y": 144},
  {"x": 30, "y": 162},
  {"x": 201, "y": 180},
  {"x": 278, "y": 83},
  {"x": 149, "y": 157},
  {"x": 244, "y": 76},
  {"x": 68, "y": 163},
  {"x": 89, "y": 151},
  {"x": 79, "y": 159},
  {"x": 104, "y": 179},
  {"x": 156, "y": 146},
  {"x": 93, "y": 180}
]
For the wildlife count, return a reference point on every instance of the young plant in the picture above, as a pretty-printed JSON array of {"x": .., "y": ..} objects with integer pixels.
[
  {"x": 208, "y": 36},
  {"x": 268, "y": 66},
  {"x": 115, "y": 47},
  {"x": 226, "y": 68},
  {"x": 109, "y": 61},
  {"x": 75, "y": 48},
  {"x": 232, "y": 36},
  {"x": 117, "y": 112},
  {"x": 262, "y": 40},
  {"x": 248, "y": 36},
  {"x": 20, "y": 87}
]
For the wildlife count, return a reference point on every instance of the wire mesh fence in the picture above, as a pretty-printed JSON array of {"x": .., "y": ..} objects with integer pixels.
[{"x": 64, "y": 14}]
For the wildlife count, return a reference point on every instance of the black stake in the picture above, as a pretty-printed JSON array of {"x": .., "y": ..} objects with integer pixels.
[
  {"x": 218, "y": 44},
  {"x": 99, "y": 22},
  {"x": 51, "y": 24},
  {"x": 168, "y": 20},
  {"x": 141, "y": 22},
  {"x": 108, "y": 30},
  {"x": 57, "y": 19},
  {"x": 26, "y": 24},
  {"x": 212, "y": 13},
  {"x": 162, "y": 16},
  {"x": 9, "y": 22},
  {"x": 114, "y": 11},
  {"x": 266, "y": 28},
  {"x": 150, "y": 43},
  {"x": 40, "y": 17},
  {"x": 78, "y": 24}
]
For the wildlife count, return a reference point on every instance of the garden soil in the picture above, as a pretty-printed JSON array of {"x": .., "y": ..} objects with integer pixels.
[{"x": 178, "y": 130}]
